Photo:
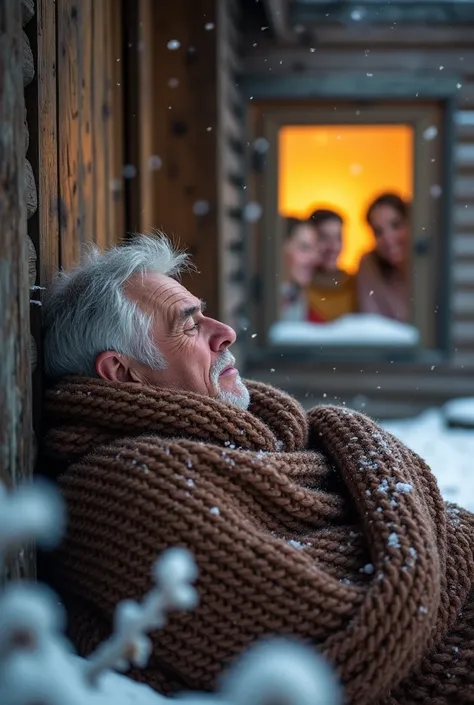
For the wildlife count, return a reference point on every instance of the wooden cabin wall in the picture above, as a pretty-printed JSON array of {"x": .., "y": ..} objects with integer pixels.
[
  {"x": 184, "y": 138},
  {"x": 61, "y": 186},
  {"x": 75, "y": 122},
  {"x": 231, "y": 167},
  {"x": 442, "y": 52},
  {"x": 76, "y": 126},
  {"x": 16, "y": 447}
]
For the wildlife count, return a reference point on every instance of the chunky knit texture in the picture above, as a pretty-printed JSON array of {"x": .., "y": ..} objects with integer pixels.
[{"x": 321, "y": 526}]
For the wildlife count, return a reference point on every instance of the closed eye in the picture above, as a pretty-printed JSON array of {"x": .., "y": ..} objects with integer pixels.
[{"x": 196, "y": 326}]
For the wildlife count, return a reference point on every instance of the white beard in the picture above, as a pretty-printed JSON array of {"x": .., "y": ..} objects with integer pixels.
[{"x": 240, "y": 399}]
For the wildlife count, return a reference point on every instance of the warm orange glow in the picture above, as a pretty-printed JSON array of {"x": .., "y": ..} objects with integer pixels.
[{"x": 343, "y": 167}]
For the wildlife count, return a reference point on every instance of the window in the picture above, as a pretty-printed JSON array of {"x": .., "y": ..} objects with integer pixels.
[{"x": 335, "y": 280}]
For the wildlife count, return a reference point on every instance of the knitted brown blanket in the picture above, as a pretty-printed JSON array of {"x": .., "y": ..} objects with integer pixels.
[{"x": 321, "y": 526}]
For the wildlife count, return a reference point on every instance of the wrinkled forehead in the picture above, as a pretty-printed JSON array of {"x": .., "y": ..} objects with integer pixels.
[{"x": 159, "y": 293}]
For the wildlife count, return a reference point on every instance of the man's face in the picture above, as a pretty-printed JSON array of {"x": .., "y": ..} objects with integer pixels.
[{"x": 195, "y": 347}]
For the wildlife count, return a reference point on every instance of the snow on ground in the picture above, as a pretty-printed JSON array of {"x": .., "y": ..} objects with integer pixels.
[{"x": 448, "y": 451}]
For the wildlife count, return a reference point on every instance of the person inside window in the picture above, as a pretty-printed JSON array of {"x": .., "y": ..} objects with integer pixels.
[
  {"x": 382, "y": 279},
  {"x": 332, "y": 291},
  {"x": 300, "y": 258}
]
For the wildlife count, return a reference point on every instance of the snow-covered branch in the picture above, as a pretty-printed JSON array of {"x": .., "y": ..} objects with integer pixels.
[
  {"x": 37, "y": 663},
  {"x": 174, "y": 574}
]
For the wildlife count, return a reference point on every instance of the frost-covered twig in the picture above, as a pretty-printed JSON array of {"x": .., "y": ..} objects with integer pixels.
[
  {"x": 32, "y": 513},
  {"x": 174, "y": 574},
  {"x": 37, "y": 663}
]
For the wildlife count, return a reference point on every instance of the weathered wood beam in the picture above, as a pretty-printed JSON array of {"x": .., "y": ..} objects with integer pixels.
[
  {"x": 269, "y": 59},
  {"x": 15, "y": 378}
]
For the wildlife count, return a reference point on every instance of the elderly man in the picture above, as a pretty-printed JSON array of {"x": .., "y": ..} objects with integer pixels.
[{"x": 318, "y": 525}]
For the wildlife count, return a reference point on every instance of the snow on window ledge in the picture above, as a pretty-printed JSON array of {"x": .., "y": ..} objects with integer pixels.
[{"x": 358, "y": 330}]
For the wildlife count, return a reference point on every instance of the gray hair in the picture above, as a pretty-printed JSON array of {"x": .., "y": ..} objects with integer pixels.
[{"x": 86, "y": 311}]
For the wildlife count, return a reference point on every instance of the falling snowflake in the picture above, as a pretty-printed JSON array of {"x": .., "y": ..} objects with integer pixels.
[
  {"x": 129, "y": 171},
  {"x": 261, "y": 145},
  {"x": 155, "y": 162},
  {"x": 201, "y": 207},
  {"x": 252, "y": 212},
  {"x": 430, "y": 133}
]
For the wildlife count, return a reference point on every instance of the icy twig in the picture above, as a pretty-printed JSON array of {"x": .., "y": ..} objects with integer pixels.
[
  {"x": 37, "y": 663},
  {"x": 174, "y": 574},
  {"x": 35, "y": 660}
]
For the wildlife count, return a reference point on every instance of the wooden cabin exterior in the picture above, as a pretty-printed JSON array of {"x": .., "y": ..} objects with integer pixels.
[
  {"x": 134, "y": 115},
  {"x": 367, "y": 55}
]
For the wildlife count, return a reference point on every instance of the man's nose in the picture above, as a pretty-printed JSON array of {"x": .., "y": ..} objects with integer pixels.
[{"x": 223, "y": 336}]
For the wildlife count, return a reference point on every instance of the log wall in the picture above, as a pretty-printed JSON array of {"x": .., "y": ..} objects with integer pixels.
[
  {"x": 16, "y": 446},
  {"x": 231, "y": 167},
  {"x": 184, "y": 119},
  {"x": 61, "y": 186},
  {"x": 348, "y": 56}
]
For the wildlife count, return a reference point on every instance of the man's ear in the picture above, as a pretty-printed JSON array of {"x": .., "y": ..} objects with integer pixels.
[{"x": 112, "y": 367}]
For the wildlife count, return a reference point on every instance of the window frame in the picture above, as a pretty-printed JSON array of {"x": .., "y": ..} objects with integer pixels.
[{"x": 267, "y": 119}]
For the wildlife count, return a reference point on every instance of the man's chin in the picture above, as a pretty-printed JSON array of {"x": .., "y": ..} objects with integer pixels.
[{"x": 237, "y": 395}]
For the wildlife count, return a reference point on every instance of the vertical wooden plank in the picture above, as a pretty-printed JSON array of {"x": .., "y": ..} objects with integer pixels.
[
  {"x": 68, "y": 132},
  {"x": 152, "y": 121},
  {"x": 115, "y": 128},
  {"x": 15, "y": 380},
  {"x": 178, "y": 103},
  {"x": 86, "y": 156},
  {"x": 46, "y": 170},
  {"x": 43, "y": 226},
  {"x": 100, "y": 111}
]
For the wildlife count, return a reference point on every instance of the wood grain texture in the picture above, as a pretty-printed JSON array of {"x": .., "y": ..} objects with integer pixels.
[
  {"x": 46, "y": 136},
  {"x": 115, "y": 125},
  {"x": 68, "y": 88},
  {"x": 15, "y": 381},
  {"x": 178, "y": 124},
  {"x": 101, "y": 111},
  {"x": 86, "y": 70}
]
